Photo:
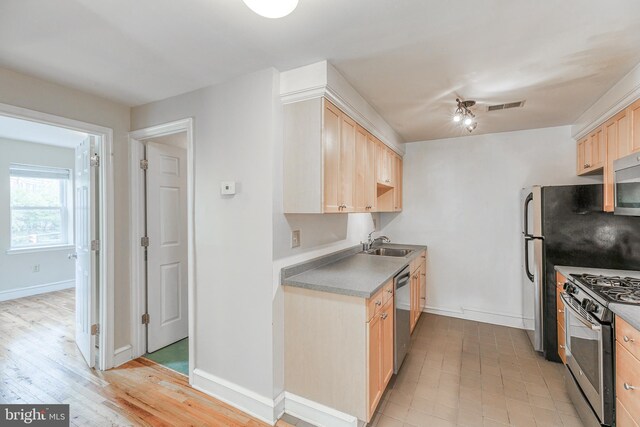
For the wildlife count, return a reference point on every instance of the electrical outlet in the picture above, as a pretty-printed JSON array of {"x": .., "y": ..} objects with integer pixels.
[
  {"x": 295, "y": 238},
  {"x": 36, "y": 268}
]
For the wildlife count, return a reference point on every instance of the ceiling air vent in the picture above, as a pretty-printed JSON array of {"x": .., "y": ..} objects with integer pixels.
[{"x": 505, "y": 106}]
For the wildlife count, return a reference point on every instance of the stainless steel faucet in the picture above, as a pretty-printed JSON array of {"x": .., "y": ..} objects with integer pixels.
[{"x": 372, "y": 242}]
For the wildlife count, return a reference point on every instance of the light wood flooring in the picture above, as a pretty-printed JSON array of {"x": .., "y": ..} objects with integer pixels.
[
  {"x": 40, "y": 363},
  {"x": 471, "y": 374}
]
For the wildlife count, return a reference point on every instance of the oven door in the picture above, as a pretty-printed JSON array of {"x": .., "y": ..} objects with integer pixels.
[
  {"x": 627, "y": 185},
  {"x": 584, "y": 353}
]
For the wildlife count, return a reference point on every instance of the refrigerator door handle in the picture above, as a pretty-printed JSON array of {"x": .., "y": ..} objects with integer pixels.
[
  {"x": 527, "y": 270},
  {"x": 525, "y": 227}
]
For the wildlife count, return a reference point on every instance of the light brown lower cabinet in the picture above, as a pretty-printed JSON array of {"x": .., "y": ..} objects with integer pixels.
[
  {"x": 627, "y": 368},
  {"x": 418, "y": 289},
  {"x": 562, "y": 352},
  {"x": 339, "y": 348},
  {"x": 380, "y": 368}
]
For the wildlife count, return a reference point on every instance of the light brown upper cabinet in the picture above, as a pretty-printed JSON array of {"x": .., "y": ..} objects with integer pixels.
[
  {"x": 616, "y": 137},
  {"x": 633, "y": 112},
  {"x": 333, "y": 165},
  {"x": 365, "y": 176},
  {"x": 339, "y": 145},
  {"x": 591, "y": 153}
]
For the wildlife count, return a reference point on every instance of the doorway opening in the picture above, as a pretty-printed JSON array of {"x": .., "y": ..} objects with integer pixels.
[
  {"x": 162, "y": 276},
  {"x": 54, "y": 233}
]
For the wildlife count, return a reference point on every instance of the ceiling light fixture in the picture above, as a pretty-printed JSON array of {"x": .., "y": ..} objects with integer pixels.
[
  {"x": 464, "y": 115},
  {"x": 272, "y": 8}
]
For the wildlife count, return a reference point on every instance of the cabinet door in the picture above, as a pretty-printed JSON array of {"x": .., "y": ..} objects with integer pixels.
[
  {"x": 423, "y": 288},
  {"x": 331, "y": 152},
  {"x": 633, "y": 112},
  {"x": 581, "y": 162},
  {"x": 616, "y": 139},
  {"x": 370, "y": 174},
  {"x": 390, "y": 167},
  {"x": 588, "y": 152},
  {"x": 380, "y": 156},
  {"x": 597, "y": 149},
  {"x": 387, "y": 342},
  {"x": 361, "y": 195},
  {"x": 413, "y": 297},
  {"x": 375, "y": 362},
  {"x": 398, "y": 184},
  {"x": 347, "y": 162}
]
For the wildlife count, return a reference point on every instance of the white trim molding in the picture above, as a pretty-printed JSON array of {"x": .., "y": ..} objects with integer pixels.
[
  {"x": 248, "y": 401},
  {"x": 321, "y": 79},
  {"x": 137, "y": 221},
  {"x": 481, "y": 315},
  {"x": 106, "y": 224},
  {"x": 621, "y": 95},
  {"x": 28, "y": 291},
  {"x": 316, "y": 413},
  {"x": 122, "y": 355}
]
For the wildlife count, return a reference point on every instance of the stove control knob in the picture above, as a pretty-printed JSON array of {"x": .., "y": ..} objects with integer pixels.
[
  {"x": 589, "y": 306},
  {"x": 569, "y": 288}
]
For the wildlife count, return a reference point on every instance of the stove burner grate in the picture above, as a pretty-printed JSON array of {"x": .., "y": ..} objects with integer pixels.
[{"x": 614, "y": 288}]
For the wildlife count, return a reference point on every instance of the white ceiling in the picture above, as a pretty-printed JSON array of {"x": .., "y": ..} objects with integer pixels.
[
  {"x": 409, "y": 58},
  {"x": 25, "y": 130}
]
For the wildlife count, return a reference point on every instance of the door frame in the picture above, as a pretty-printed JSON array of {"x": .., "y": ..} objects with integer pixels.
[
  {"x": 137, "y": 193},
  {"x": 105, "y": 278}
]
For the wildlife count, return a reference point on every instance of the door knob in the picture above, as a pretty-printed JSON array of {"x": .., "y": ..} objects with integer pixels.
[{"x": 72, "y": 256}]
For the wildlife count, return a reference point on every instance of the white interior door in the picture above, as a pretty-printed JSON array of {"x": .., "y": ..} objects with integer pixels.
[
  {"x": 167, "y": 302},
  {"x": 85, "y": 232}
]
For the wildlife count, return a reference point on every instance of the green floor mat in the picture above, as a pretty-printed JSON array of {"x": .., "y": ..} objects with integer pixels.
[{"x": 174, "y": 356}]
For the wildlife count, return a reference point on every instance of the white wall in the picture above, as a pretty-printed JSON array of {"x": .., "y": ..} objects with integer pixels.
[
  {"x": 462, "y": 199},
  {"x": 35, "y": 94},
  {"x": 234, "y": 139},
  {"x": 16, "y": 269}
]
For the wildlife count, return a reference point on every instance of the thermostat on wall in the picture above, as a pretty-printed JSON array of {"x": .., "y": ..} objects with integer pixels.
[{"x": 228, "y": 187}]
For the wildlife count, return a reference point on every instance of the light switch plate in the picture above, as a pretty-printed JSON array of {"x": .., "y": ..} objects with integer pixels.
[
  {"x": 295, "y": 238},
  {"x": 227, "y": 187}
]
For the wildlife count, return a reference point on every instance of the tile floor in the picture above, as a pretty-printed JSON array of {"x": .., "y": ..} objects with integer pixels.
[
  {"x": 464, "y": 373},
  {"x": 174, "y": 356}
]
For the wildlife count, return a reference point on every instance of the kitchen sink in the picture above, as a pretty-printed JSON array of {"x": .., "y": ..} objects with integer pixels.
[{"x": 389, "y": 252}]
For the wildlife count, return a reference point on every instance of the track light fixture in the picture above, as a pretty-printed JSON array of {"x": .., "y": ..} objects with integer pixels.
[{"x": 464, "y": 115}]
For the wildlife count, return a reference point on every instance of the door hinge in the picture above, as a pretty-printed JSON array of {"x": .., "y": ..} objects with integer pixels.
[
  {"x": 95, "y": 245},
  {"x": 94, "y": 160},
  {"x": 95, "y": 329},
  {"x": 144, "y": 164},
  {"x": 144, "y": 241},
  {"x": 145, "y": 319}
]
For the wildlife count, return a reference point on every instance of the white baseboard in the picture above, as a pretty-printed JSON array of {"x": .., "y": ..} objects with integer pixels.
[
  {"x": 248, "y": 401},
  {"x": 478, "y": 315},
  {"x": 36, "y": 290},
  {"x": 315, "y": 413},
  {"x": 122, "y": 355}
]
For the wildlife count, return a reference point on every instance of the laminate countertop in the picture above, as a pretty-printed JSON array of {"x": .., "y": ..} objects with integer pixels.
[
  {"x": 629, "y": 312},
  {"x": 354, "y": 273}
]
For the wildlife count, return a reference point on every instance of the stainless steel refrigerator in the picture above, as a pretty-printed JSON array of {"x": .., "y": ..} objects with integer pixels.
[{"x": 565, "y": 225}]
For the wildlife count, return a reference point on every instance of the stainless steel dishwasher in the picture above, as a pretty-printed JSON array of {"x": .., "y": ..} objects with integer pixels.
[{"x": 402, "y": 300}]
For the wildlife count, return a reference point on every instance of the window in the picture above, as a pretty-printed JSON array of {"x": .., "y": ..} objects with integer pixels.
[{"x": 39, "y": 209}]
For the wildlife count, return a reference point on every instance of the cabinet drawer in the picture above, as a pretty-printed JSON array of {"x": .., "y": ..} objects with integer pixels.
[
  {"x": 560, "y": 280},
  {"x": 387, "y": 292},
  {"x": 417, "y": 261},
  {"x": 628, "y": 372},
  {"x": 560, "y": 307},
  {"x": 623, "y": 418},
  {"x": 374, "y": 304},
  {"x": 628, "y": 337},
  {"x": 561, "y": 343}
]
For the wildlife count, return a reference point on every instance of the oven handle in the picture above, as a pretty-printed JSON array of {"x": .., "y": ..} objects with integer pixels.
[{"x": 568, "y": 305}]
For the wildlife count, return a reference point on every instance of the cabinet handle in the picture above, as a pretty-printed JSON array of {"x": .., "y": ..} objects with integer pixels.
[
  {"x": 384, "y": 316},
  {"x": 561, "y": 346},
  {"x": 629, "y": 386},
  {"x": 389, "y": 291},
  {"x": 560, "y": 311},
  {"x": 424, "y": 274},
  {"x": 627, "y": 339},
  {"x": 378, "y": 302}
]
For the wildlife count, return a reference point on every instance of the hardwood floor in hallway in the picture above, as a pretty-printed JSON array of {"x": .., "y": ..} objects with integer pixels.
[{"x": 40, "y": 363}]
